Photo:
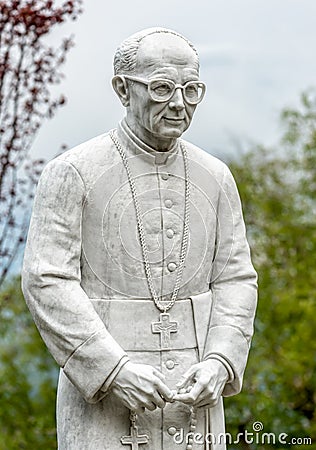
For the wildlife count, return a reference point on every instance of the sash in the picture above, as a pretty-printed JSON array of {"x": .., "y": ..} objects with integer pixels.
[{"x": 202, "y": 310}]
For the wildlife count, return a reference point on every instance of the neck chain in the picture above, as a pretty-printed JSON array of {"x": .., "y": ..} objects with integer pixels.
[{"x": 141, "y": 231}]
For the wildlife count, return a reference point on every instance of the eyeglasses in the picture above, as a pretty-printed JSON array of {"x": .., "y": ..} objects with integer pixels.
[{"x": 161, "y": 90}]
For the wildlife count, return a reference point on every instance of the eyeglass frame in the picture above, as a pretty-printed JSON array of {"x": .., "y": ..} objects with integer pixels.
[{"x": 176, "y": 86}]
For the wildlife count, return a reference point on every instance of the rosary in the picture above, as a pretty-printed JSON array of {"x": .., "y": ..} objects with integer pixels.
[{"x": 164, "y": 326}]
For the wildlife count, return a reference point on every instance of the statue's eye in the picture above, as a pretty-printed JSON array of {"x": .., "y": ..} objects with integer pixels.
[
  {"x": 161, "y": 88},
  {"x": 192, "y": 90}
]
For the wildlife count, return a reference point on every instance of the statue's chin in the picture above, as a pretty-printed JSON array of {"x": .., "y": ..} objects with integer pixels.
[{"x": 173, "y": 131}]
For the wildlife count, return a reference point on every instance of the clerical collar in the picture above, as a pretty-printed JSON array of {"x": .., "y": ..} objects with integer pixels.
[{"x": 137, "y": 146}]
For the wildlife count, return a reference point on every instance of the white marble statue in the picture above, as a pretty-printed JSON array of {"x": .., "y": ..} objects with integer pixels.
[{"x": 137, "y": 269}]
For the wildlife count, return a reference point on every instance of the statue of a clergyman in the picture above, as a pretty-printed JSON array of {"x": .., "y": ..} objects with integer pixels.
[{"x": 137, "y": 269}]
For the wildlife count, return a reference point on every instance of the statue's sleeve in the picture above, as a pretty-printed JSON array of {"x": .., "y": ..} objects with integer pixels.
[
  {"x": 64, "y": 315},
  {"x": 234, "y": 288}
]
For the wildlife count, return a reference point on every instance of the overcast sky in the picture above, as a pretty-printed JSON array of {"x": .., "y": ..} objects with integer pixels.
[{"x": 257, "y": 56}]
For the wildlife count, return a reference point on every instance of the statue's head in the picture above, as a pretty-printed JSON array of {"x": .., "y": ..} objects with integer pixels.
[{"x": 156, "y": 76}]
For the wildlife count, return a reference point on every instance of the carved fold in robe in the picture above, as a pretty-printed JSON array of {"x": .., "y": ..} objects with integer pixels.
[{"x": 85, "y": 285}]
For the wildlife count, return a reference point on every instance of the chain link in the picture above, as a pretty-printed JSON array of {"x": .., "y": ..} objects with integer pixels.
[{"x": 141, "y": 231}]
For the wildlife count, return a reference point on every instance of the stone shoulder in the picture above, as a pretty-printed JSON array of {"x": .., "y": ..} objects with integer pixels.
[
  {"x": 94, "y": 150},
  {"x": 90, "y": 158},
  {"x": 215, "y": 166}
]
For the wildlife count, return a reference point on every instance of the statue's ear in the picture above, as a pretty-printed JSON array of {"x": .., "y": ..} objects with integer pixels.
[{"x": 120, "y": 86}]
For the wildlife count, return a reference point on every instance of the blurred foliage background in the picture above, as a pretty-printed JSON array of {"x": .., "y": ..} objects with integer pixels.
[
  {"x": 28, "y": 377},
  {"x": 278, "y": 191}
]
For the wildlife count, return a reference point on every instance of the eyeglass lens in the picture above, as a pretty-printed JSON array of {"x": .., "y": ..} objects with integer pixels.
[{"x": 163, "y": 90}]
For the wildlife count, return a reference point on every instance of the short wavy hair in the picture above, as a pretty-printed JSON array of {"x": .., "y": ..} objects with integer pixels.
[{"x": 125, "y": 58}]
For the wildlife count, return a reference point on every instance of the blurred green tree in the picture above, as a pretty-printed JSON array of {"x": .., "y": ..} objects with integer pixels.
[
  {"x": 278, "y": 190},
  {"x": 28, "y": 378}
]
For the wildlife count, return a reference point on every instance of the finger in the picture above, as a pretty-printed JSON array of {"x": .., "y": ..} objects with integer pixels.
[
  {"x": 210, "y": 396},
  {"x": 159, "y": 401},
  {"x": 202, "y": 400},
  {"x": 186, "y": 377},
  {"x": 150, "y": 405},
  {"x": 197, "y": 389},
  {"x": 192, "y": 395},
  {"x": 158, "y": 374},
  {"x": 174, "y": 392},
  {"x": 184, "y": 398},
  {"x": 164, "y": 391},
  {"x": 207, "y": 401}
]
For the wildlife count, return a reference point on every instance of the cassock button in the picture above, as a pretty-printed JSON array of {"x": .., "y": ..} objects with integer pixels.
[
  {"x": 172, "y": 266},
  {"x": 168, "y": 203},
  {"x": 165, "y": 176},
  {"x": 172, "y": 431},
  {"x": 170, "y": 233},
  {"x": 170, "y": 364}
]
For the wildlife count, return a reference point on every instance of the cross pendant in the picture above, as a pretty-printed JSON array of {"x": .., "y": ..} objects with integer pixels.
[
  {"x": 135, "y": 439},
  {"x": 165, "y": 328}
]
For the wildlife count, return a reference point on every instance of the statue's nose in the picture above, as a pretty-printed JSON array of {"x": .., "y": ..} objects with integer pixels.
[{"x": 177, "y": 100}]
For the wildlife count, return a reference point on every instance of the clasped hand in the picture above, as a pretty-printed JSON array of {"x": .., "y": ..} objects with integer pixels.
[
  {"x": 202, "y": 385},
  {"x": 141, "y": 386}
]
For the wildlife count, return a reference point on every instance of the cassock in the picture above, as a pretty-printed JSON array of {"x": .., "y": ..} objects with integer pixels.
[{"x": 86, "y": 287}]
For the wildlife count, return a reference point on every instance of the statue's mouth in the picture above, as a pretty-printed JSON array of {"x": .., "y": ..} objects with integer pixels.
[{"x": 174, "y": 119}]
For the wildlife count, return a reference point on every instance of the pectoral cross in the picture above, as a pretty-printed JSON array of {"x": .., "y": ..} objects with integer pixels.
[
  {"x": 165, "y": 328},
  {"x": 135, "y": 439}
]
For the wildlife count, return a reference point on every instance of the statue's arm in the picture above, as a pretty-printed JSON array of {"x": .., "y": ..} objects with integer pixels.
[
  {"x": 234, "y": 289},
  {"x": 64, "y": 315}
]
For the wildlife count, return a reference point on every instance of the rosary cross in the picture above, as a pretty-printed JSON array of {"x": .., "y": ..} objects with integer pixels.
[{"x": 134, "y": 439}]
